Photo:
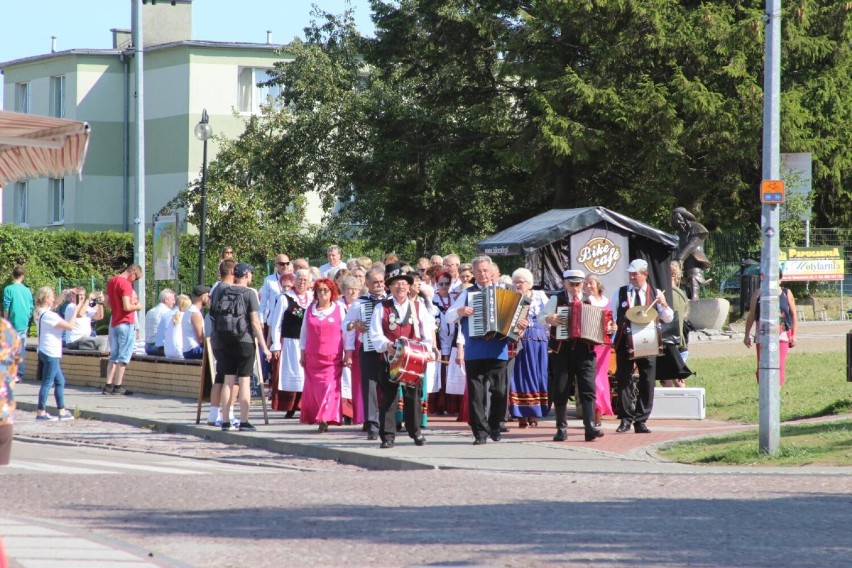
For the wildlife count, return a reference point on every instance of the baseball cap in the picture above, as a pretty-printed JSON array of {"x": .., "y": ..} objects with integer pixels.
[
  {"x": 242, "y": 269},
  {"x": 638, "y": 265},
  {"x": 574, "y": 275},
  {"x": 200, "y": 290}
]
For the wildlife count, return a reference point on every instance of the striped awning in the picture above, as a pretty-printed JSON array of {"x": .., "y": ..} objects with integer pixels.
[{"x": 33, "y": 146}]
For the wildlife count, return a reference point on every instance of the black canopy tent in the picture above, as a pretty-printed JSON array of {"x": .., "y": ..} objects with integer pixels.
[{"x": 592, "y": 239}]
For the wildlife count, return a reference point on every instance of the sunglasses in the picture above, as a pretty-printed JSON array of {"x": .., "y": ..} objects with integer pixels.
[
  {"x": 443, "y": 283},
  {"x": 323, "y": 290},
  {"x": 283, "y": 263}
]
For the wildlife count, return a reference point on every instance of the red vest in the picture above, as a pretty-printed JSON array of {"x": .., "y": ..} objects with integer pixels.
[{"x": 392, "y": 326}]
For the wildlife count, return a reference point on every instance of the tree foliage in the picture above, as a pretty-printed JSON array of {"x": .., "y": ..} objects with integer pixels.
[{"x": 460, "y": 117}]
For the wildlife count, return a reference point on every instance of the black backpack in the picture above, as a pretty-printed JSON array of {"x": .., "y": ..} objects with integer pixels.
[{"x": 229, "y": 314}]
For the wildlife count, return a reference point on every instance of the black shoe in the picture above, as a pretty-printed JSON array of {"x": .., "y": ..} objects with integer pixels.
[
  {"x": 290, "y": 414},
  {"x": 640, "y": 428},
  {"x": 561, "y": 435},
  {"x": 247, "y": 427},
  {"x": 372, "y": 436},
  {"x": 399, "y": 427},
  {"x": 386, "y": 444},
  {"x": 496, "y": 436},
  {"x": 226, "y": 426},
  {"x": 118, "y": 389},
  {"x": 624, "y": 426},
  {"x": 420, "y": 440},
  {"x": 593, "y": 433},
  {"x": 503, "y": 427},
  {"x": 480, "y": 441},
  {"x": 107, "y": 390},
  {"x": 347, "y": 421}
]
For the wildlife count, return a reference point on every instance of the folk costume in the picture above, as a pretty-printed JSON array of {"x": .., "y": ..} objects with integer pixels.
[
  {"x": 322, "y": 344},
  {"x": 572, "y": 362},
  {"x": 350, "y": 380},
  {"x": 287, "y": 375},
  {"x": 366, "y": 359},
  {"x": 528, "y": 384}
]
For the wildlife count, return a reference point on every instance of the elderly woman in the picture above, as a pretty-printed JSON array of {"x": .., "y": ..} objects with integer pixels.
[
  {"x": 528, "y": 383},
  {"x": 440, "y": 401},
  {"x": 285, "y": 327},
  {"x": 594, "y": 288},
  {"x": 50, "y": 326},
  {"x": 353, "y": 405},
  {"x": 322, "y": 357}
]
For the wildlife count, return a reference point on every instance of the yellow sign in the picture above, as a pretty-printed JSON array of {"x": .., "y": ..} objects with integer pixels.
[{"x": 812, "y": 263}]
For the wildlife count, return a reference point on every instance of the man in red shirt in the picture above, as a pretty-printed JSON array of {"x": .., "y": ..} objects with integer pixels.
[{"x": 122, "y": 325}]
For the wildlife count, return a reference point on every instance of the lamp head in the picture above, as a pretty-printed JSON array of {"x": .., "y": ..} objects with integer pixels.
[{"x": 203, "y": 130}]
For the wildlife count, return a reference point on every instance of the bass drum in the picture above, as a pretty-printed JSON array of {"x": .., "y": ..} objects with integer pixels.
[{"x": 646, "y": 340}]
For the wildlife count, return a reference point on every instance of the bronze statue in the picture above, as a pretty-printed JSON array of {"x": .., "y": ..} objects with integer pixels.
[{"x": 691, "y": 235}]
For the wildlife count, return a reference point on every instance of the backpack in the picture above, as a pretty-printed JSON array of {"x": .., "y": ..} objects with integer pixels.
[{"x": 229, "y": 314}]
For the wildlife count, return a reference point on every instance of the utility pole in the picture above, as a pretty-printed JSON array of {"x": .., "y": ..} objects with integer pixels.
[{"x": 767, "y": 327}]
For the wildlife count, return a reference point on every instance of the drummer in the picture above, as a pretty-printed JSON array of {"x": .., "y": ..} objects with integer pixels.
[
  {"x": 637, "y": 293},
  {"x": 395, "y": 318}
]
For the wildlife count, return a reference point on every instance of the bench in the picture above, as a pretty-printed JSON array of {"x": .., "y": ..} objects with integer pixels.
[
  {"x": 163, "y": 376},
  {"x": 817, "y": 312}
]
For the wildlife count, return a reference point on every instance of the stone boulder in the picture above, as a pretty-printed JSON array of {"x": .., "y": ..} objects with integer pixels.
[{"x": 708, "y": 313}]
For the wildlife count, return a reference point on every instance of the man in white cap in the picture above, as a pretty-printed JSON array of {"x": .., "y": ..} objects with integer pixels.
[
  {"x": 573, "y": 360},
  {"x": 638, "y": 293}
]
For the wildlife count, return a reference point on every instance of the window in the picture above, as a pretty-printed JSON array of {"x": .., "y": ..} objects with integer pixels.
[
  {"x": 56, "y": 215},
  {"x": 22, "y": 97},
  {"x": 251, "y": 97},
  {"x": 21, "y": 192},
  {"x": 57, "y": 96}
]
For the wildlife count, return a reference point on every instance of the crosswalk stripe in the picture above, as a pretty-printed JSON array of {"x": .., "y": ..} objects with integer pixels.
[
  {"x": 138, "y": 467},
  {"x": 57, "y": 468}
]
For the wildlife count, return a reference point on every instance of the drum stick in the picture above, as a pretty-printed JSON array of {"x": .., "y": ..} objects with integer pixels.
[{"x": 648, "y": 309}]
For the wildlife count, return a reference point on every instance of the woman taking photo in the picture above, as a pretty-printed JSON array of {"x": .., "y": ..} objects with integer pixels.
[
  {"x": 50, "y": 326},
  {"x": 322, "y": 357}
]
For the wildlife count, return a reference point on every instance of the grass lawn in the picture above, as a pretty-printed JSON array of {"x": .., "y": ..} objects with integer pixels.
[{"x": 815, "y": 386}]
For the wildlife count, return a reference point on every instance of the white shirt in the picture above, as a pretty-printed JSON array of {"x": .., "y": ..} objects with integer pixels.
[
  {"x": 152, "y": 323},
  {"x": 425, "y": 323},
  {"x": 270, "y": 290},
  {"x": 49, "y": 336},
  {"x": 330, "y": 311},
  {"x": 173, "y": 342},
  {"x": 190, "y": 341},
  {"x": 354, "y": 315},
  {"x": 82, "y": 325},
  {"x": 326, "y": 267},
  {"x": 161, "y": 327},
  {"x": 666, "y": 314}
]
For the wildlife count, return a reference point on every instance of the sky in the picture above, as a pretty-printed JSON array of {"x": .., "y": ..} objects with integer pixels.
[{"x": 78, "y": 24}]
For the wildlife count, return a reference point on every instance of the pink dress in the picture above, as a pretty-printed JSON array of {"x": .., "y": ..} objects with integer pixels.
[
  {"x": 603, "y": 400},
  {"x": 323, "y": 347}
]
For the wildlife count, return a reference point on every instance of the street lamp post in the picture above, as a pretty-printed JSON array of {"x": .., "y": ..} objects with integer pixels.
[{"x": 203, "y": 131}]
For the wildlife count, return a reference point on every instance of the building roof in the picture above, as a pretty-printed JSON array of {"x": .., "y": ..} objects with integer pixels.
[{"x": 149, "y": 49}]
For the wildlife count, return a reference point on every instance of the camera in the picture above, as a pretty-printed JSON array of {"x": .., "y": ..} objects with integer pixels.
[{"x": 93, "y": 302}]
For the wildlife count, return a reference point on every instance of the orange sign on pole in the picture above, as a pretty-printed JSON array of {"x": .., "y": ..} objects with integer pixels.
[{"x": 772, "y": 192}]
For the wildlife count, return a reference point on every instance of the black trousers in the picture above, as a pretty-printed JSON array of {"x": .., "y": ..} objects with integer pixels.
[
  {"x": 487, "y": 389},
  {"x": 647, "y": 367},
  {"x": 370, "y": 364},
  {"x": 412, "y": 407},
  {"x": 574, "y": 362}
]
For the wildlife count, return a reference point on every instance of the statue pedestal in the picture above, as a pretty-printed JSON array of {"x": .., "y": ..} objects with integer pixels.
[{"x": 709, "y": 313}]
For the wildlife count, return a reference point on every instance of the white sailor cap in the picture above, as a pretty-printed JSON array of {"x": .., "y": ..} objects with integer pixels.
[{"x": 574, "y": 275}]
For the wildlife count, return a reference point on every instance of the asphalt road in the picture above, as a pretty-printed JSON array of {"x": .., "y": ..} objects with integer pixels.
[{"x": 206, "y": 504}]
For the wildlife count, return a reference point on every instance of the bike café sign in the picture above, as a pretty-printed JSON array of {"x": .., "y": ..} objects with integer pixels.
[
  {"x": 599, "y": 255},
  {"x": 812, "y": 263}
]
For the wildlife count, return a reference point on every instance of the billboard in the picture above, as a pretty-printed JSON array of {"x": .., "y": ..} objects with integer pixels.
[{"x": 812, "y": 263}]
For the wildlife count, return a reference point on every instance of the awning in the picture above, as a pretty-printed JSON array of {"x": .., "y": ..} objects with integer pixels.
[
  {"x": 33, "y": 146},
  {"x": 553, "y": 225}
]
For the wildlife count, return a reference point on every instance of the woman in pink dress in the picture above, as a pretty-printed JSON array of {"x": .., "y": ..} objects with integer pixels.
[
  {"x": 322, "y": 357},
  {"x": 603, "y": 401}
]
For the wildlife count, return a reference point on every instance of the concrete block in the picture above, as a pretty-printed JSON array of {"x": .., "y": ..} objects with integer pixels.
[{"x": 709, "y": 313}]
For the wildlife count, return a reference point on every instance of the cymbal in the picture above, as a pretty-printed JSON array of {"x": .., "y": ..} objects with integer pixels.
[{"x": 641, "y": 314}]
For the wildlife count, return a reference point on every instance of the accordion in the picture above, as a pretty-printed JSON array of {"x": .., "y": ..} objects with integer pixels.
[
  {"x": 497, "y": 312},
  {"x": 589, "y": 323},
  {"x": 366, "y": 307}
]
